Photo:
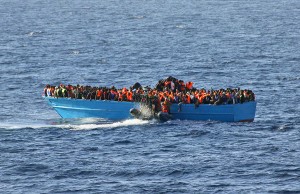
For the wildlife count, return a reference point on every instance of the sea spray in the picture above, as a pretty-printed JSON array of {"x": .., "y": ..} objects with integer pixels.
[{"x": 129, "y": 122}]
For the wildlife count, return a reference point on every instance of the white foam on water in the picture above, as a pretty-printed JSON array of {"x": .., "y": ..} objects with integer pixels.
[
  {"x": 82, "y": 124},
  {"x": 22, "y": 126},
  {"x": 130, "y": 122}
]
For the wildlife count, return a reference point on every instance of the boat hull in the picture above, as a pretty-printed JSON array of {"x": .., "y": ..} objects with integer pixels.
[
  {"x": 113, "y": 110},
  {"x": 230, "y": 112},
  {"x": 79, "y": 108}
]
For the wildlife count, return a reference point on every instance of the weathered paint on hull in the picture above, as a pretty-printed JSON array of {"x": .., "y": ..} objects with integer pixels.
[{"x": 113, "y": 110}]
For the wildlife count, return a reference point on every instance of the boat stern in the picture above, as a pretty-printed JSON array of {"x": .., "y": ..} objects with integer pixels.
[{"x": 245, "y": 112}]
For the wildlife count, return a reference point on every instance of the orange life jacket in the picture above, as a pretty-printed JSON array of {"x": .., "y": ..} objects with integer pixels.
[
  {"x": 164, "y": 108},
  {"x": 228, "y": 95},
  {"x": 171, "y": 97},
  {"x": 99, "y": 93},
  {"x": 161, "y": 96},
  {"x": 201, "y": 98},
  {"x": 189, "y": 85},
  {"x": 124, "y": 90},
  {"x": 188, "y": 99},
  {"x": 129, "y": 96},
  {"x": 167, "y": 83}
]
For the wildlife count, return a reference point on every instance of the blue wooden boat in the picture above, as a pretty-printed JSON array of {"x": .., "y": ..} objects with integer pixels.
[{"x": 114, "y": 110}]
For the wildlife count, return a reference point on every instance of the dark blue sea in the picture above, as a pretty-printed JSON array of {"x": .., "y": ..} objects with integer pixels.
[{"x": 216, "y": 44}]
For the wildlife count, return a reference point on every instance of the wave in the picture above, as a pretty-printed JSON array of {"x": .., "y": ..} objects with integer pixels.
[
  {"x": 76, "y": 124},
  {"x": 129, "y": 122},
  {"x": 11, "y": 126}
]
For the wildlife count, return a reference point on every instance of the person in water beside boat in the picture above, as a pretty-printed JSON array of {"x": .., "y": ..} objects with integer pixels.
[{"x": 170, "y": 90}]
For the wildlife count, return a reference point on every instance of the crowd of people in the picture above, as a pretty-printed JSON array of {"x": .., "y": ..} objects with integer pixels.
[{"x": 166, "y": 92}]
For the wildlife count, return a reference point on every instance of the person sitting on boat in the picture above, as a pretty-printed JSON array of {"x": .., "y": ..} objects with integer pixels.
[
  {"x": 69, "y": 89},
  {"x": 242, "y": 97},
  {"x": 165, "y": 107},
  {"x": 136, "y": 86},
  {"x": 49, "y": 93},
  {"x": 129, "y": 95},
  {"x": 156, "y": 103},
  {"x": 222, "y": 99},
  {"x": 99, "y": 93},
  {"x": 120, "y": 95},
  {"x": 45, "y": 90},
  {"x": 172, "y": 86},
  {"x": 189, "y": 85},
  {"x": 176, "y": 98},
  {"x": 181, "y": 86},
  {"x": 187, "y": 98},
  {"x": 113, "y": 94},
  {"x": 229, "y": 97},
  {"x": 185, "y": 93},
  {"x": 58, "y": 92},
  {"x": 251, "y": 96}
]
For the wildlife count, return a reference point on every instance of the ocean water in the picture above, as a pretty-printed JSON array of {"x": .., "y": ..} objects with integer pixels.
[{"x": 216, "y": 44}]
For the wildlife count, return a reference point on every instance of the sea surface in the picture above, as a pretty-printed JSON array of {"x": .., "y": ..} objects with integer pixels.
[{"x": 214, "y": 43}]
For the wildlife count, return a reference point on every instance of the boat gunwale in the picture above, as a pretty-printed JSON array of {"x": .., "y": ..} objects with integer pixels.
[{"x": 179, "y": 104}]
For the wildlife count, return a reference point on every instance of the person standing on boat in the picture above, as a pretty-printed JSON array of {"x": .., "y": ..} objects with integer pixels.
[
  {"x": 49, "y": 91},
  {"x": 172, "y": 86}
]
